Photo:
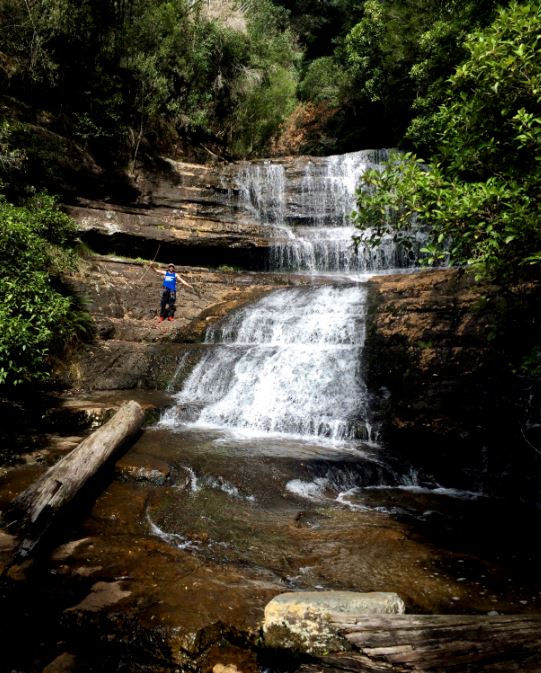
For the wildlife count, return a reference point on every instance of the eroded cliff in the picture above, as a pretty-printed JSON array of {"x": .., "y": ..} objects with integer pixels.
[{"x": 448, "y": 361}]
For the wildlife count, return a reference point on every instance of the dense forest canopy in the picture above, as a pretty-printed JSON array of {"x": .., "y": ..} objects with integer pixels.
[
  {"x": 121, "y": 77},
  {"x": 112, "y": 83}
]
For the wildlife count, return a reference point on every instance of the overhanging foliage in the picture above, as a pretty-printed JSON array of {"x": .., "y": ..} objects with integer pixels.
[
  {"x": 480, "y": 195},
  {"x": 37, "y": 315}
]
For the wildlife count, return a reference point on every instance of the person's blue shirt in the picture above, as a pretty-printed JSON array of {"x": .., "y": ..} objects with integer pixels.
[{"x": 170, "y": 281}]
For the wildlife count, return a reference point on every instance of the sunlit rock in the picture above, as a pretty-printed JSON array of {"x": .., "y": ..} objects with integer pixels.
[{"x": 307, "y": 620}]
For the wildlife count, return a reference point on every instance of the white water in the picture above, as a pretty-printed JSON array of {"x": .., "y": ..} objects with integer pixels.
[
  {"x": 308, "y": 206},
  {"x": 291, "y": 364}
]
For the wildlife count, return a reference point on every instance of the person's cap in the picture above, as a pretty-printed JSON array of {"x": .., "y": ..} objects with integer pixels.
[{"x": 170, "y": 266}]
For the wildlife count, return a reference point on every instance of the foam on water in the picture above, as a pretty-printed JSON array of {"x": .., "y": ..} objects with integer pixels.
[{"x": 290, "y": 364}]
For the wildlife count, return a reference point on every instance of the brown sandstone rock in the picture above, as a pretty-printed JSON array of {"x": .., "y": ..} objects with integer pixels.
[
  {"x": 185, "y": 210},
  {"x": 131, "y": 348},
  {"x": 442, "y": 358}
]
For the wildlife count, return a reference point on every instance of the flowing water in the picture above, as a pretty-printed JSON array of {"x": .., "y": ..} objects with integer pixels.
[
  {"x": 275, "y": 451},
  {"x": 267, "y": 475},
  {"x": 290, "y": 364},
  {"x": 308, "y": 205}
]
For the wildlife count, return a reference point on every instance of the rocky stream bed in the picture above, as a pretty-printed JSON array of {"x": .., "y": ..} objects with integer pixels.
[{"x": 169, "y": 559}]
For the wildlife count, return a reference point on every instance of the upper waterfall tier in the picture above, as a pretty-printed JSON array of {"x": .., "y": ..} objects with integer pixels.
[
  {"x": 288, "y": 214},
  {"x": 306, "y": 203}
]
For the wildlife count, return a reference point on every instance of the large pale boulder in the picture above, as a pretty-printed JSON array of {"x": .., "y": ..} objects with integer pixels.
[{"x": 309, "y": 620}]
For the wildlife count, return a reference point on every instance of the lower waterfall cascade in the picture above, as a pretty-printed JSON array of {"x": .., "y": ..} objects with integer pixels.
[{"x": 288, "y": 364}]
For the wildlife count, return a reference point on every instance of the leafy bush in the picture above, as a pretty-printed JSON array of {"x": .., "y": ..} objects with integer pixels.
[
  {"x": 323, "y": 81},
  {"x": 37, "y": 316},
  {"x": 480, "y": 196}
]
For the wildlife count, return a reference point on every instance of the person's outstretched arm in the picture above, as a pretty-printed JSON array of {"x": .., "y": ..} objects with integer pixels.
[{"x": 184, "y": 282}]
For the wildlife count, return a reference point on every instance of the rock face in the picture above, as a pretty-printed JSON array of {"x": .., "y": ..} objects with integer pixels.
[
  {"x": 220, "y": 214},
  {"x": 443, "y": 361},
  {"x": 185, "y": 212}
]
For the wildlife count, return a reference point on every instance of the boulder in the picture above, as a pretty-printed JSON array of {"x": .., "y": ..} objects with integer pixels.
[{"x": 306, "y": 620}]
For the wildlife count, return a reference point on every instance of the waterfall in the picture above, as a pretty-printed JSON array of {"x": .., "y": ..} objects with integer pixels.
[
  {"x": 307, "y": 205},
  {"x": 288, "y": 364},
  {"x": 291, "y": 363}
]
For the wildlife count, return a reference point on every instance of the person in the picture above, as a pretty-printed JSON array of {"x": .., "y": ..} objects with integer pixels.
[{"x": 169, "y": 293}]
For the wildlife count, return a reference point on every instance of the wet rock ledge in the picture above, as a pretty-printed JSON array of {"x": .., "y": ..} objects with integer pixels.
[
  {"x": 180, "y": 211},
  {"x": 131, "y": 349}
]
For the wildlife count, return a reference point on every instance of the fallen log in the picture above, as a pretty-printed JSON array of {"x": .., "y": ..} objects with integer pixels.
[
  {"x": 436, "y": 644},
  {"x": 34, "y": 510}
]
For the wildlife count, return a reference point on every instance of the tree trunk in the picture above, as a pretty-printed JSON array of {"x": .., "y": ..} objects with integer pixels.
[
  {"x": 35, "y": 509},
  {"x": 437, "y": 644}
]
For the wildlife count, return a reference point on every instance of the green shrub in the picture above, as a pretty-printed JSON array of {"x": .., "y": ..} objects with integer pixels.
[
  {"x": 322, "y": 81},
  {"x": 479, "y": 197},
  {"x": 37, "y": 315}
]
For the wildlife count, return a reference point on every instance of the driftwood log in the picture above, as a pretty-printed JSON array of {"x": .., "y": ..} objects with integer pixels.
[
  {"x": 35, "y": 509},
  {"x": 437, "y": 644}
]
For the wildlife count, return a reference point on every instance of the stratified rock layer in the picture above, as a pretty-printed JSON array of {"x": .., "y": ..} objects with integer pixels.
[
  {"x": 184, "y": 212},
  {"x": 445, "y": 363}
]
